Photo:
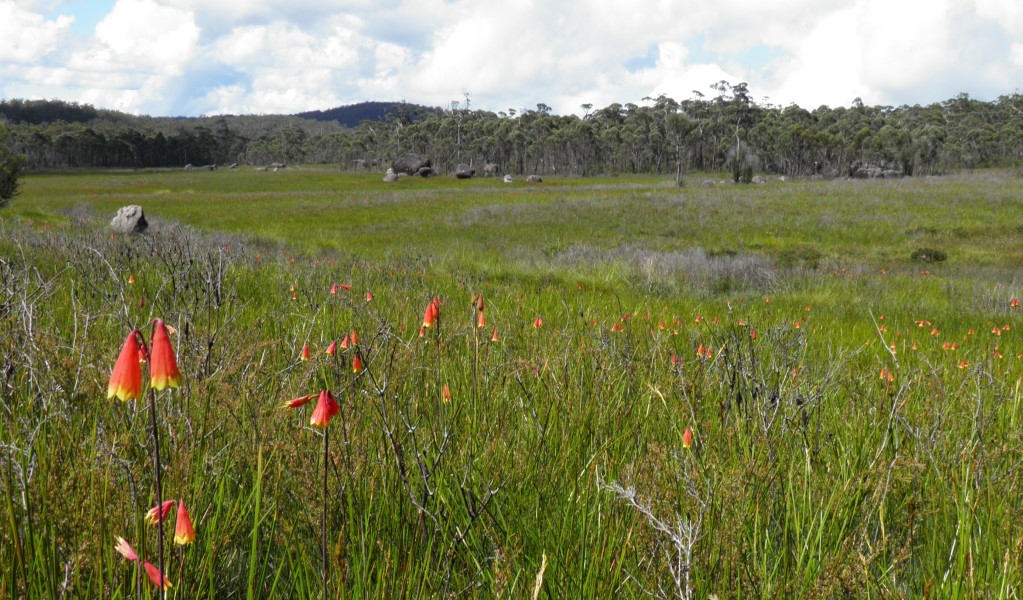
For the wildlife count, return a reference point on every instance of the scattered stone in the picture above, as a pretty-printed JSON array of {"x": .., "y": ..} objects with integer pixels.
[
  {"x": 188, "y": 167},
  {"x": 129, "y": 219},
  {"x": 759, "y": 180},
  {"x": 464, "y": 171},
  {"x": 233, "y": 166},
  {"x": 413, "y": 165},
  {"x": 507, "y": 178},
  {"x": 390, "y": 176},
  {"x": 859, "y": 170},
  {"x": 534, "y": 179},
  {"x": 491, "y": 169}
]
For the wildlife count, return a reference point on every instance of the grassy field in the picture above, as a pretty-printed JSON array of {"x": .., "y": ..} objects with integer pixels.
[{"x": 855, "y": 411}]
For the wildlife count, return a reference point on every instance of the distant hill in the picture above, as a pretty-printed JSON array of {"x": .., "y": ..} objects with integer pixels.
[{"x": 353, "y": 114}]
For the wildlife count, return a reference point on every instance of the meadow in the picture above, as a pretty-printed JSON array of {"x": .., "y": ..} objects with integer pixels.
[{"x": 801, "y": 389}]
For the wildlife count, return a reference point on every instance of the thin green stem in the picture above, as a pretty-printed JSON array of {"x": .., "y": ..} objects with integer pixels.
[
  {"x": 326, "y": 441},
  {"x": 159, "y": 491}
]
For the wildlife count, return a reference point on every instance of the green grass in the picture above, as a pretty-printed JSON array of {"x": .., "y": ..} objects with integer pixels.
[{"x": 811, "y": 475}]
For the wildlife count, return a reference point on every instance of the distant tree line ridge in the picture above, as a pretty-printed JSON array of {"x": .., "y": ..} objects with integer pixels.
[{"x": 725, "y": 130}]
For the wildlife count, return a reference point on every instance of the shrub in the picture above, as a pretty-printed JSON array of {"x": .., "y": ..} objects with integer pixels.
[
  {"x": 928, "y": 255},
  {"x": 11, "y": 167}
]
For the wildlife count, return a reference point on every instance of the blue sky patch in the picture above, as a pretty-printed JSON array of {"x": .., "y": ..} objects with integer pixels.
[{"x": 87, "y": 13}]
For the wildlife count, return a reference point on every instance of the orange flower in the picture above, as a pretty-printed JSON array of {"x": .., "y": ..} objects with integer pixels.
[
  {"x": 333, "y": 290},
  {"x": 158, "y": 578},
  {"x": 131, "y": 280},
  {"x": 345, "y": 343},
  {"x": 538, "y": 323},
  {"x": 331, "y": 349},
  {"x": 445, "y": 394},
  {"x": 356, "y": 364},
  {"x": 674, "y": 360},
  {"x": 354, "y": 337},
  {"x": 158, "y": 513},
  {"x": 297, "y": 402},
  {"x": 326, "y": 408},
  {"x": 964, "y": 363},
  {"x": 432, "y": 312},
  {"x": 184, "y": 533},
  {"x": 687, "y": 438},
  {"x": 481, "y": 319},
  {"x": 494, "y": 337},
  {"x": 479, "y": 303},
  {"x": 305, "y": 352},
  {"x": 126, "y": 378},
  {"x": 1014, "y": 303},
  {"x": 369, "y": 296},
  {"x": 163, "y": 367},
  {"x": 124, "y": 549}
]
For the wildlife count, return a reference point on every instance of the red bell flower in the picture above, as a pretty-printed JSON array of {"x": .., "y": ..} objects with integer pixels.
[
  {"x": 158, "y": 578},
  {"x": 297, "y": 402},
  {"x": 184, "y": 533},
  {"x": 326, "y": 408},
  {"x": 163, "y": 367},
  {"x": 158, "y": 513},
  {"x": 124, "y": 549},
  {"x": 126, "y": 378}
]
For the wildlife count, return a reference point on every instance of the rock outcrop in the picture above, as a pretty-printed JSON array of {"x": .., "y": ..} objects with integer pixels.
[{"x": 129, "y": 219}]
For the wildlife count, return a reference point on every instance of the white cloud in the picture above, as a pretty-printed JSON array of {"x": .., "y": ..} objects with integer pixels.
[
  {"x": 28, "y": 36},
  {"x": 1016, "y": 54},
  {"x": 144, "y": 35},
  {"x": 282, "y": 56},
  {"x": 1006, "y": 13}
]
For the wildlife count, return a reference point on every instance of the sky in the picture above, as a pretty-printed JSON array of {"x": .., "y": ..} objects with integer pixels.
[{"x": 208, "y": 57}]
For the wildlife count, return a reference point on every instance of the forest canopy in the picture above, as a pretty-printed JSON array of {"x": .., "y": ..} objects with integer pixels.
[{"x": 724, "y": 131}]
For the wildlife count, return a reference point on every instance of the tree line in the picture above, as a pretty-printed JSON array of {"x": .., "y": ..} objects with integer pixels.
[{"x": 724, "y": 130}]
